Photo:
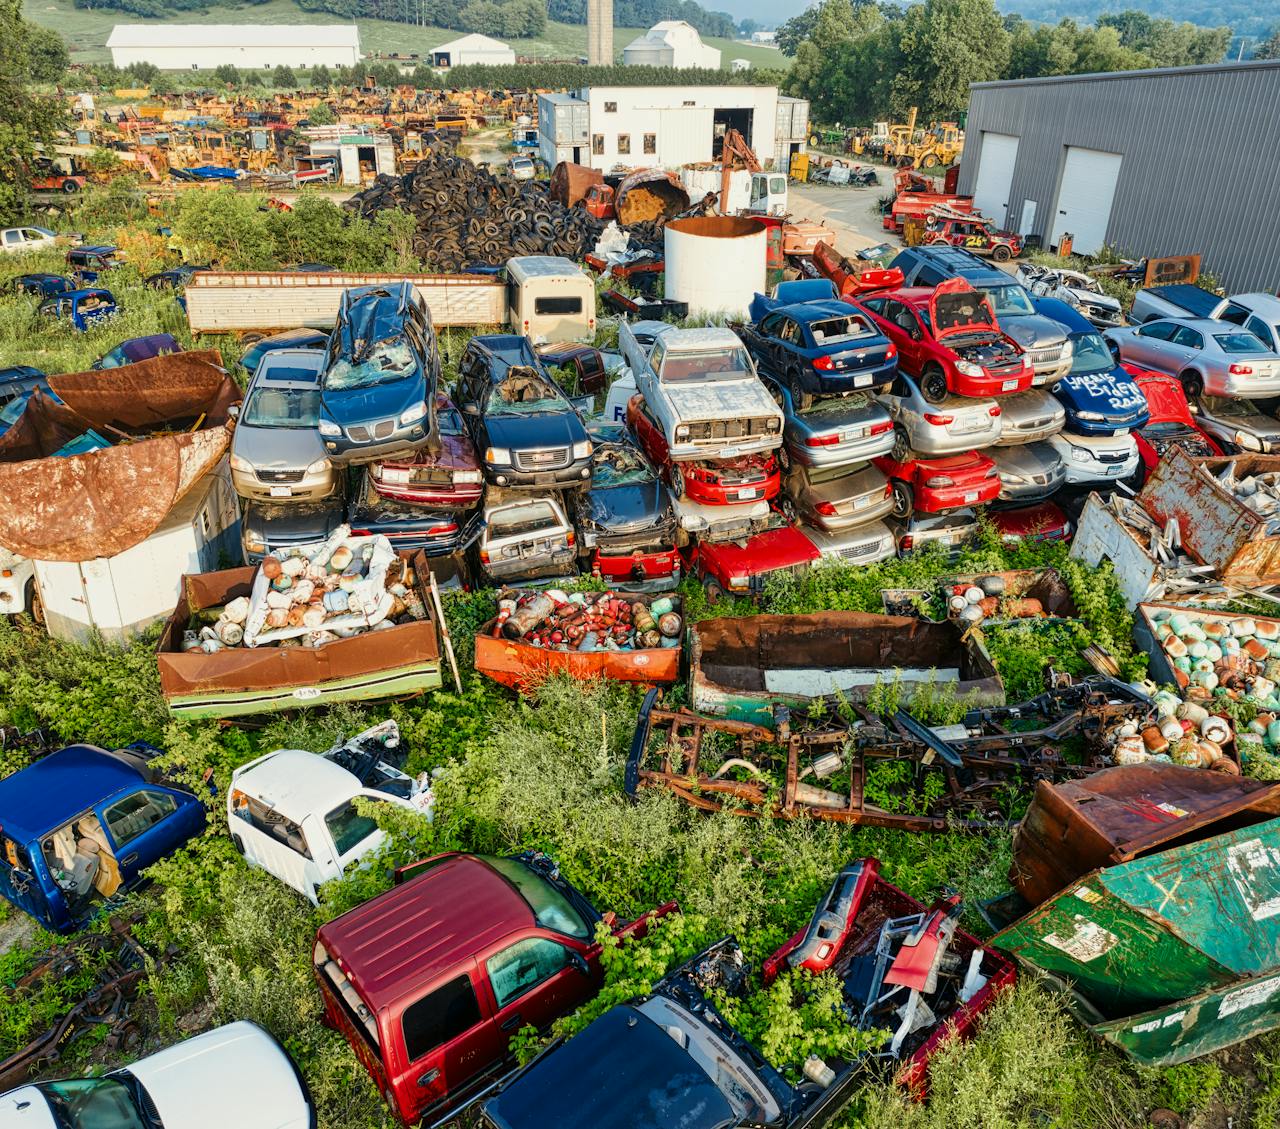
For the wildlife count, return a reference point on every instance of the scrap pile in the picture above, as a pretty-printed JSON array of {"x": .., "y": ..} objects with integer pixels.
[
  {"x": 1258, "y": 492},
  {"x": 973, "y": 603},
  {"x": 588, "y": 621}
]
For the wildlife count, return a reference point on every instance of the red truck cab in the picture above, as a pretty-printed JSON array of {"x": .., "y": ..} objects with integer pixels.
[
  {"x": 740, "y": 568},
  {"x": 429, "y": 981}
]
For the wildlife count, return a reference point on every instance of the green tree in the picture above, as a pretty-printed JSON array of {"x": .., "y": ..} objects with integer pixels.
[
  {"x": 1269, "y": 48},
  {"x": 796, "y": 30},
  {"x": 142, "y": 72},
  {"x": 27, "y": 119},
  {"x": 944, "y": 46},
  {"x": 47, "y": 54},
  {"x": 321, "y": 114},
  {"x": 283, "y": 78},
  {"x": 1166, "y": 43},
  {"x": 227, "y": 75},
  {"x": 320, "y": 78}
]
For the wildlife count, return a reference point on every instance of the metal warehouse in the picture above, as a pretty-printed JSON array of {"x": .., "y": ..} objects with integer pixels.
[
  {"x": 184, "y": 47},
  {"x": 610, "y": 127},
  {"x": 1156, "y": 162}
]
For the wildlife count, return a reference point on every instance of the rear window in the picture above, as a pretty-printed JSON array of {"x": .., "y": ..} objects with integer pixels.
[
  {"x": 527, "y": 518},
  {"x": 1239, "y": 343},
  {"x": 819, "y": 475},
  {"x": 440, "y": 1017},
  {"x": 557, "y": 305},
  {"x": 836, "y": 330}
]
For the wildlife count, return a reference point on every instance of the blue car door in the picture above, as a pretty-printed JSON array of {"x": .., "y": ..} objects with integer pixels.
[
  {"x": 20, "y": 885},
  {"x": 145, "y": 823}
]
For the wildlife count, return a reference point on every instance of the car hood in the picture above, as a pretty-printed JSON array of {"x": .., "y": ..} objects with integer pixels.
[
  {"x": 457, "y": 452},
  {"x": 625, "y": 509},
  {"x": 956, "y": 307},
  {"x": 720, "y": 399},
  {"x": 277, "y": 448},
  {"x": 368, "y": 405},
  {"x": 293, "y": 524},
  {"x": 551, "y": 429},
  {"x": 1166, "y": 401},
  {"x": 1032, "y": 458},
  {"x": 773, "y": 549},
  {"x": 1113, "y": 394},
  {"x": 235, "y": 1075},
  {"x": 1033, "y": 331},
  {"x": 26, "y": 1108}
]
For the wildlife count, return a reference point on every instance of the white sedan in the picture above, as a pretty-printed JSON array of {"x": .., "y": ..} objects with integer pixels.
[{"x": 233, "y": 1076}]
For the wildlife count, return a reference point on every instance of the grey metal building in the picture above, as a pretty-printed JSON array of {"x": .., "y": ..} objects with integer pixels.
[{"x": 1158, "y": 162}]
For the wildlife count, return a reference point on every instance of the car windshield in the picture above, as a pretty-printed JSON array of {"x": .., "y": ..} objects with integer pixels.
[
  {"x": 348, "y": 827},
  {"x": 1090, "y": 354},
  {"x": 528, "y": 517},
  {"x": 835, "y": 330},
  {"x": 550, "y": 907},
  {"x": 1234, "y": 409},
  {"x": 282, "y": 407},
  {"x": 1011, "y": 299},
  {"x": 14, "y": 408},
  {"x": 1239, "y": 343},
  {"x": 1166, "y": 429},
  {"x": 92, "y": 1103},
  {"x": 742, "y": 1088},
  {"x": 523, "y": 392},
  {"x": 450, "y": 421},
  {"x": 382, "y": 363},
  {"x": 617, "y": 464},
  {"x": 705, "y": 364}
]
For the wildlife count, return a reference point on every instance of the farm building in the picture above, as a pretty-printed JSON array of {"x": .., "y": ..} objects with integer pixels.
[
  {"x": 473, "y": 49},
  {"x": 671, "y": 43},
  {"x": 185, "y": 47},
  {"x": 610, "y": 127},
  {"x": 1088, "y": 155}
]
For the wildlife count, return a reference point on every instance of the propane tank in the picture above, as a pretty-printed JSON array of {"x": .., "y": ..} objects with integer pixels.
[{"x": 527, "y": 616}]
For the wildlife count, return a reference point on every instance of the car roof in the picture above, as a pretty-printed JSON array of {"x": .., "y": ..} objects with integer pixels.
[
  {"x": 542, "y": 266},
  {"x": 1207, "y": 325},
  {"x": 94, "y": 249},
  {"x": 311, "y": 360},
  {"x": 676, "y": 339},
  {"x": 808, "y": 312},
  {"x": 917, "y": 296},
  {"x": 399, "y": 941},
  {"x": 958, "y": 261},
  {"x": 1259, "y": 303},
  {"x": 297, "y": 783},
  {"x": 44, "y": 795}
]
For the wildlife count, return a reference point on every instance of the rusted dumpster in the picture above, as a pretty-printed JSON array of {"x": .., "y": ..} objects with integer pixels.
[
  {"x": 1216, "y": 528},
  {"x": 570, "y": 182},
  {"x": 1160, "y": 914},
  {"x": 649, "y": 194},
  {"x": 741, "y": 668},
  {"x": 1164, "y": 666}
]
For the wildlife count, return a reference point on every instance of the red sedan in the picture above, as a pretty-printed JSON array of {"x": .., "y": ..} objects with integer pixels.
[
  {"x": 949, "y": 341},
  {"x": 1170, "y": 422},
  {"x": 1044, "y": 521},
  {"x": 450, "y": 480},
  {"x": 945, "y": 483},
  {"x": 709, "y": 482}
]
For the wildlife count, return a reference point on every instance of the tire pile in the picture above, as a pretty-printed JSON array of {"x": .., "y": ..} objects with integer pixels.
[{"x": 466, "y": 214}]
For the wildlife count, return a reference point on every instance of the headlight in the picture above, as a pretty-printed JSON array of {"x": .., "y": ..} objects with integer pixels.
[
  {"x": 1068, "y": 350},
  {"x": 1091, "y": 415},
  {"x": 255, "y": 544},
  {"x": 682, "y": 432},
  {"x": 1079, "y": 455},
  {"x": 413, "y": 413},
  {"x": 319, "y": 466},
  {"x": 497, "y": 455},
  {"x": 773, "y": 424},
  {"x": 582, "y": 450},
  {"x": 328, "y": 427},
  {"x": 244, "y": 466},
  {"x": 968, "y": 368},
  {"x": 1246, "y": 441},
  {"x": 739, "y": 583},
  {"x": 463, "y": 476}
]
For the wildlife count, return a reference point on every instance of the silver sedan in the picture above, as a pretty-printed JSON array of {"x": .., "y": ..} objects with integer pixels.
[
  {"x": 1206, "y": 355},
  {"x": 1030, "y": 416},
  {"x": 1029, "y": 472},
  {"x": 1238, "y": 425},
  {"x": 835, "y": 431},
  {"x": 958, "y": 423}
]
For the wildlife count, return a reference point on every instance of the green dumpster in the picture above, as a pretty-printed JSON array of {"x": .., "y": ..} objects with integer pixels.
[{"x": 1171, "y": 955}]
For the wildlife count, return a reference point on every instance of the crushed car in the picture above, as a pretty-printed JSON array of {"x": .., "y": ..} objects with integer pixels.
[{"x": 1082, "y": 291}]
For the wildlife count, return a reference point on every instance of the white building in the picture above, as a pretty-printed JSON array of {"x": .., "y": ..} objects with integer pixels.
[
  {"x": 620, "y": 127},
  {"x": 473, "y": 49},
  {"x": 739, "y": 64},
  {"x": 671, "y": 43},
  {"x": 186, "y": 47},
  {"x": 764, "y": 38}
]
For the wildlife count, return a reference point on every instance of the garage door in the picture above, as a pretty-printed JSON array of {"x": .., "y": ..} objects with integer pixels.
[
  {"x": 995, "y": 175},
  {"x": 1085, "y": 196}
]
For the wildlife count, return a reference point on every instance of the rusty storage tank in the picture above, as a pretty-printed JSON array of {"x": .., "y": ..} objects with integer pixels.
[{"x": 715, "y": 263}]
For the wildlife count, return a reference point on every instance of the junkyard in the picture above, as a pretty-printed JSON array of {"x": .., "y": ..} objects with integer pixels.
[{"x": 496, "y": 631}]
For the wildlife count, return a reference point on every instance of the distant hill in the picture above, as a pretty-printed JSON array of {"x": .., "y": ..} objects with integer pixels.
[{"x": 1244, "y": 18}]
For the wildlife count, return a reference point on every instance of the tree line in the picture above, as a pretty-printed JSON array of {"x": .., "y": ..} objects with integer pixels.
[{"x": 858, "y": 61}]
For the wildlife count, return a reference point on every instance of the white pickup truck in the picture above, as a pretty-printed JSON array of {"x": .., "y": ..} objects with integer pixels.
[{"x": 702, "y": 389}]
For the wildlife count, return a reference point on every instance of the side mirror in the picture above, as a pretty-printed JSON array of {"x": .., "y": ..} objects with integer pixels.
[{"x": 578, "y": 961}]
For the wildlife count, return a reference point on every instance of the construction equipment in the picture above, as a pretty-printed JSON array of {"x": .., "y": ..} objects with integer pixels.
[{"x": 736, "y": 153}]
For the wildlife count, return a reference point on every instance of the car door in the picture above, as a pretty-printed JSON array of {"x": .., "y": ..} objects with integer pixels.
[
  {"x": 534, "y": 980},
  {"x": 145, "y": 824},
  {"x": 1185, "y": 346},
  {"x": 19, "y": 883},
  {"x": 763, "y": 340},
  {"x": 1149, "y": 345},
  {"x": 910, "y": 338},
  {"x": 650, "y": 436}
]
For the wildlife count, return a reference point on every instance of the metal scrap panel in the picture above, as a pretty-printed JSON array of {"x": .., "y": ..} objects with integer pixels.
[{"x": 1101, "y": 536}]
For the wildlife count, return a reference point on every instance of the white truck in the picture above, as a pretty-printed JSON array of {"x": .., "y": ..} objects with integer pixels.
[
  {"x": 750, "y": 193},
  {"x": 17, "y": 584},
  {"x": 293, "y": 813},
  {"x": 21, "y": 240},
  {"x": 702, "y": 389}
]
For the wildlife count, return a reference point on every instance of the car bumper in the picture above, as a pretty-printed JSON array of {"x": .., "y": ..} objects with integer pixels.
[
  {"x": 576, "y": 474},
  {"x": 1012, "y": 437},
  {"x": 558, "y": 564},
  {"x": 834, "y": 523},
  {"x": 706, "y": 494},
  {"x": 929, "y": 440},
  {"x": 441, "y": 497},
  {"x": 1030, "y": 491},
  {"x": 724, "y": 448},
  {"x": 1046, "y": 372},
  {"x": 402, "y": 443},
  {"x": 1078, "y": 426},
  {"x": 838, "y": 454},
  {"x": 312, "y": 488},
  {"x": 836, "y": 381},
  {"x": 937, "y": 500},
  {"x": 642, "y": 572},
  {"x": 981, "y": 387},
  {"x": 1246, "y": 386},
  {"x": 1094, "y": 472}
]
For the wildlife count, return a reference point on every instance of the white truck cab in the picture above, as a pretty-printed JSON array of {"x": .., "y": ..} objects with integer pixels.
[
  {"x": 21, "y": 240},
  {"x": 293, "y": 813},
  {"x": 17, "y": 583}
]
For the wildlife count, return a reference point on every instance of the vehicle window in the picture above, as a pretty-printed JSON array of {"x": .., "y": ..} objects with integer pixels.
[
  {"x": 14, "y": 408},
  {"x": 523, "y": 392},
  {"x": 282, "y": 407},
  {"x": 840, "y": 406},
  {"x": 836, "y": 330},
  {"x": 657, "y": 356},
  {"x": 777, "y": 185},
  {"x": 1011, "y": 299},
  {"x": 1234, "y": 313},
  {"x": 706, "y": 364},
  {"x": 529, "y": 517},
  {"x": 551, "y": 908},
  {"x": 92, "y": 1103},
  {"x": 1236, "y": 343},
  {"x": 12, "y": 236},
  {"x": 380, "y": 363},
  {"x": 876, "y": 304},
  {"x": 819, "y": 475},
  {"x": 1217, "y": 406},
  {"x": 1090, "y": 354},
  {"x": 269, "y": 821},
  {"x": 440, "y": 1017},
  {"x": 1160, "y": 330},
  {"x": 788, "y": 331},
  {"x": 769, "y": 326},
  {"x": 128, "y": 818},
  {"x": 618, "y": 464},
  {"x": 558, "y": 304},
  {"x": 1188, "y": 338},
  {"x": 1265, "y": 333},
  {"x": 524, "y": 965},
  {"x": 927, "y": 276},
  {"x": 348, "y": 827}
]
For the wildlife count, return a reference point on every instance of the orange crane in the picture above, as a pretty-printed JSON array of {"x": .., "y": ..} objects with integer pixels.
[{"x": 736, "y": 153}]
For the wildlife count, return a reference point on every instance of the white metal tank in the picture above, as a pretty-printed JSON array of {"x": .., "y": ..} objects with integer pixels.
[{"x": 715, "y": 263}]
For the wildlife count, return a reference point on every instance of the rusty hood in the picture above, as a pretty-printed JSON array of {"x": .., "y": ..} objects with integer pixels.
[
  {"x": 166, "y": 420},
  {"x": 956, "y": 307}
]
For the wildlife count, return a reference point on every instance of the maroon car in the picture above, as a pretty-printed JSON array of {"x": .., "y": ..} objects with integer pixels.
[
  {"x": 451, "y": 479},
  {"x": 1045, "y": 521}
]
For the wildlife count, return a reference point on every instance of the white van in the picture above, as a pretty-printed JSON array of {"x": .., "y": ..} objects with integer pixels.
[
  {"x": 293, "y": 813},
  {"x": 549, "y": 298}
]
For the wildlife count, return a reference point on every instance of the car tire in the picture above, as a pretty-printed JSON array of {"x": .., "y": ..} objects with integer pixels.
[
  {"x": 933, "y": 385},
  {"x": 1192, "y": 384},
  {"x": 800, "y": 399},
  {"x": 788, "y": 507},
  {"x": 714, "y": 590},
  {"x": 35, "y": 609},
  {"x": 70, "y": 186},
  {"x": 677, "y": 482},
  {"x": 903, "y": 500},
  {"x": 901, "y": 447},
  {"x": 1001, "y": 254},
  {"x": 238, "y": 843},
  {"x": 930, "y": 161}
]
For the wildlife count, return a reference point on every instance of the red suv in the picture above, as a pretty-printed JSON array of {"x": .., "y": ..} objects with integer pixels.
[
  {"x": 948, "y": 340},
  {"x": 709, "y": 482},
  {"x": 429, "y": 981},
  {"x": 945, "y": 483}
]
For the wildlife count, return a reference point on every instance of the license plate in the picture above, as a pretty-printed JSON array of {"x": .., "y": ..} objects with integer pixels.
[
  {"x": 391, "y": 474},
  {"x": 750, "y": 494},
  {"x": 862, "y": 381},
  {"x": 1115, "y": 469},
  {"x": 281, "y": 492},
  {"x": 1008, "y": 386},
  {"x": 540, "y": 456},
  {"x": 971, "y": 496},
  {"x": 850, "y": 433},
  {"x": 727, "y": 452}
]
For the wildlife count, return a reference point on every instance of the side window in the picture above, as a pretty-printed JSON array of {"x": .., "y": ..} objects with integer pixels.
[
  {"x": 270, "y": 822},
  {"x": 1261, "y": 330},
  {"x": 524, "y": 965},
  {"x": 128, "y": 818},
  {"x": 875, "y": 304},
  {"x": 1160, "y": 330},
  {"x": 1188, "y": 338},
  {"x": 440, "y": 1017},
  {"x": 790, "y": 332},
  {"x": 771, "y": 324},
  {"x": 1236, "y": 314},
  {"x": 929, "y": 276},
  {"x": 655, "y": 358}
]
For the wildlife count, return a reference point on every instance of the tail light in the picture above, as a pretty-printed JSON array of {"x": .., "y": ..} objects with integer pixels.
[
  {"x": 907, "y": 542},
  {"x": 826, "y": 509},
  {"x": 824, "y": 440},
  {"x": 484, "y": 556},
  {"x": 824, "y": 364},
  {"x": 891, "y": 352},
  {"x": 568, "y": 538},
  {"x": 937, "y": 420},
  {"x": 438, "y": 530},
  {"x": 1240, "y": 370},
  {"x": 994, "y": 412},
  {"x": 882, "y": 428},
  {"x": 939, "y": 480}
]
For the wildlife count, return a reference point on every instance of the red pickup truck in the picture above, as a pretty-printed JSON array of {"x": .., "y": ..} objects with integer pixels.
[{"x": 429, "y": 981}]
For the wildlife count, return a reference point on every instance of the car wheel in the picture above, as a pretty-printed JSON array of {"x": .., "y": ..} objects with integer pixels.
[
  {"x": 933, "y": 385},
  {"x": 800, "y": 399},
  {"x": 677, "y": 482},
  {"x": 788, "y": 507},
  {"x": 714, "y": 590},
  {"x": 930, "y": 160},
  {"x": 70, "y": 186},
  {"x": 901, "y": 447},
  {"x": 784, "y": 459},
  {"x": 903, "y": 500},
  {"x": 1001, "y": 254},
  {"x": 1192, "y": 384},
  {"x": 34, "y": 607},
  {"x": 238, "y": 843}
]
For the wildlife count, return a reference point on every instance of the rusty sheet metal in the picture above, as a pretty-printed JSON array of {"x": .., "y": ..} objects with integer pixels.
[
  {"x": 649, "y": 194},
  {"x": 167, "y": 420},
  {"x": 1215, "y": 528},
  {"x": 523, "y": 666},
  {"x": 729, "y": 658},
  {"x": 569, "y": 182}
]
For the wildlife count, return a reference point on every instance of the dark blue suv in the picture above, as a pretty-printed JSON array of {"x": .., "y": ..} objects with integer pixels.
[{"x": 381, "y": 374}]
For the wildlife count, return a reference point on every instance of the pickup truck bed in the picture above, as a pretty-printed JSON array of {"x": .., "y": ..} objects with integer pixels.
[{"x": 1182, "y": 299}]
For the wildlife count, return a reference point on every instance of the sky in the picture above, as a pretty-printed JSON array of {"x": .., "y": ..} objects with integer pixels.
[{"x": 768, "y": 12}]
